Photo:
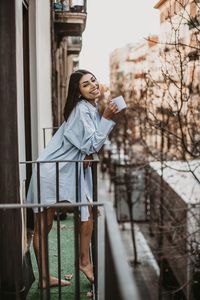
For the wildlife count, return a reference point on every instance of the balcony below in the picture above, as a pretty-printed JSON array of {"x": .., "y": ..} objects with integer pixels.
[
  {"x": 70, "y": 22},
  {"x": 74, "y": 45}
]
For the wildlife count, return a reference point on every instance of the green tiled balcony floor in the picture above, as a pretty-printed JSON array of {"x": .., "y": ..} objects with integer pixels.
[{"x": 67, "y": 263}]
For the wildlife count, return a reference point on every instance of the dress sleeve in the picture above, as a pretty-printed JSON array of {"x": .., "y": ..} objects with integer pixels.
[{"x": 81, "y": 132}]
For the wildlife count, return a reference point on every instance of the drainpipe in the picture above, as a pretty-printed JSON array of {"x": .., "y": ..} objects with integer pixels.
[{"x": 11, "y": 275}]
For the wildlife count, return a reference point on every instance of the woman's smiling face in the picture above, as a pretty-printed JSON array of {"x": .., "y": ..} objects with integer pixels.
[{"x": 89, "y": 87}]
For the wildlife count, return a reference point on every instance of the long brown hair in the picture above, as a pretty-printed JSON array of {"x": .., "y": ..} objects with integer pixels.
[{"x": 73, "y": 92}]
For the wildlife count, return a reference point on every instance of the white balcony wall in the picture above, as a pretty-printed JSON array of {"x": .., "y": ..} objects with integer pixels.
[
  {"x": 20, "y": 91},
  {"x": 40, "y": 78},
  {"x": 40, "y": 71}
]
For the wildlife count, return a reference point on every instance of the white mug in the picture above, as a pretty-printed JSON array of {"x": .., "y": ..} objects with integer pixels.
[{"x": 120, "y": 102}]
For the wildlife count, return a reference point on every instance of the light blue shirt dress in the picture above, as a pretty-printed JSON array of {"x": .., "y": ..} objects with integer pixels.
[{"x": 83, "y": 134}]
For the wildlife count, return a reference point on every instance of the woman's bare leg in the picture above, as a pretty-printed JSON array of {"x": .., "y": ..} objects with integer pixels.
[
  {"x": 43, "y": 224},
  {"x": 86, "y": 229}
]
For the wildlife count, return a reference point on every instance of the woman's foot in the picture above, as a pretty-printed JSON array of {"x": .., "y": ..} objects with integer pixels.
[
  {"x": 53, "y": 282},
  {"x": 88, "y": 271}
]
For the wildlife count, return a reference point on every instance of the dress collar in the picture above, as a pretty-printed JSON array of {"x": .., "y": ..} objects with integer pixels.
[{"x": 90, "y": 106}]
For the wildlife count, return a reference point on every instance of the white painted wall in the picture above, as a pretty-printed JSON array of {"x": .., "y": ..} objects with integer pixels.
[
  {"x": 40, "y": 78},
  {"x": 20, "y": 90},
  {"x": 20, "y": 109},
  {"x": 33, "y": 78},
  {"x": 40, "y": 71}
]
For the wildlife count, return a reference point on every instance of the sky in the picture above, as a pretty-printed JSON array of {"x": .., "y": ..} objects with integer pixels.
[{"x": 112, "y": 24}]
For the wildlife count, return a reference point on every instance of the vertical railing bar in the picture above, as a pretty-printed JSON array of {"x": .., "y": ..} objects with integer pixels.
[
  {"x": 58, "y": 230},
  {"x": 47, "y": 253},
  {"x": 76, "y": 239},
  {"x": 40, "y": 232},
  {"x": 95, "y": 230},
  {"x": 106, "y": 253},
  {"x": 44, "y": 137},
  {"x": 146, "y": 193}
]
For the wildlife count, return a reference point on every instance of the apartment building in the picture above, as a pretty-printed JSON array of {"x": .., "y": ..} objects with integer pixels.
[
  {"x": 120, "y": 68},
  {"x": 129, "y": 68},
  {"x": 69, "y": 22},
  {"x": 179, "y": 31},
  {"x": 163, "y": 80}
]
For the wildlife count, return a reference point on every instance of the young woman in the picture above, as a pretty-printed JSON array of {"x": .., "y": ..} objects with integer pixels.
[{"x": 82, "y": 133}]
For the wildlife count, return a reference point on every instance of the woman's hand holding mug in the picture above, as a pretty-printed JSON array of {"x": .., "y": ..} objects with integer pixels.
[
  {"x": 115, "y": 109},
  {"x": 110, "y": 110}
]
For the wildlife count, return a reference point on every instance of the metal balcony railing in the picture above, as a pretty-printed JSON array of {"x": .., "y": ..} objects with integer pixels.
[
  {"x": 37, "y": 165},
  {"x": 106, "y": 244},
  {"x": 109, "y": 282},
  {"x": 115, "y": 286}
]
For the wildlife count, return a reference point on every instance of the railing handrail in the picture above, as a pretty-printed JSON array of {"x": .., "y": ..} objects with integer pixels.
[
  {"x": 127, "y": 286},
  {"x": 96, "y": 159},
  {"x": 56, "y": 205},
  {"x": 55, "y": 127},
  {"x": 57, "y": 161}
]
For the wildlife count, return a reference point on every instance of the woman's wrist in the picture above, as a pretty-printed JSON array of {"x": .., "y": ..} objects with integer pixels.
[{"x": 106, "y": 116}]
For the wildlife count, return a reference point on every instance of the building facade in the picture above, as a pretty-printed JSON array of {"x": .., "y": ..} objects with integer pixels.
[
  {"x": 163, "y": 85},
  {"x": 68, "y": 24}
]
